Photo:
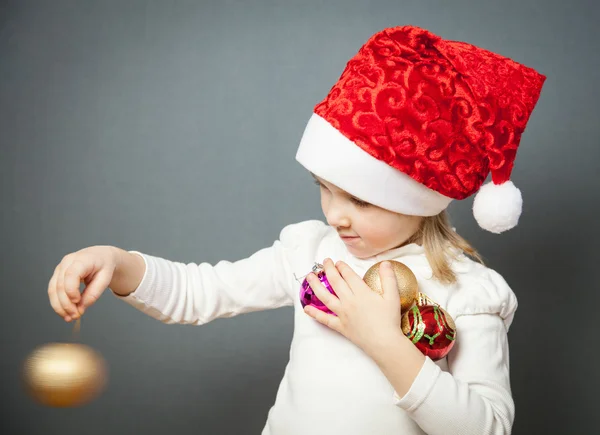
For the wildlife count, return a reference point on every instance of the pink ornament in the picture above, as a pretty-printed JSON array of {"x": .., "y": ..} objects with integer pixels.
[{"x": 307, "y": 295}]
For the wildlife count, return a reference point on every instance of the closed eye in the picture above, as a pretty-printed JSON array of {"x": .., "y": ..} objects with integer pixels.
[
  {"x": 359, "y": 203},
  {"x": 356, "y": 201}
]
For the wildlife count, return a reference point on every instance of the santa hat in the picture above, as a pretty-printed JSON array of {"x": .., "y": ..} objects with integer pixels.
[{"x": 416, "y": 121}]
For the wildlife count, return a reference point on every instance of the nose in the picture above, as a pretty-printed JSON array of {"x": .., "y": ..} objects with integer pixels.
[{"x": 337, "y": 214}]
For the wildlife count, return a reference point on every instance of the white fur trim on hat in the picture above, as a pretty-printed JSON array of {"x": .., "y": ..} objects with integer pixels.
[
  {"x": 329, "y": 154},
  {"x": 497, "y": 207}
]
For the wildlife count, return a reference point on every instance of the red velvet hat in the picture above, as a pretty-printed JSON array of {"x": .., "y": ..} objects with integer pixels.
[{"x": 416, "y": 121}]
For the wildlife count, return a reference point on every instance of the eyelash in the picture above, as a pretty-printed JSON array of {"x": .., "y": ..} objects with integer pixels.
[{"x": 356, "y": 202}]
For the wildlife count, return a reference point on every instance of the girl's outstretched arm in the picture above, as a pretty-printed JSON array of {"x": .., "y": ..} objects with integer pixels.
[{"x": 197, "y": 293}]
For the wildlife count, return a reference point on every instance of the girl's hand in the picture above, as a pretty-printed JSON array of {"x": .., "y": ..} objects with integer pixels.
[
  {"x": 370, "y": 320},
  {"x": 94, "y": 266}
]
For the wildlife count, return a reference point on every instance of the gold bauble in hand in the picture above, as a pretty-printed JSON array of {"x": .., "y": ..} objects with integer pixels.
[
  {"x": 407, "y": 282},
  {"x": 64, "y": 374}
]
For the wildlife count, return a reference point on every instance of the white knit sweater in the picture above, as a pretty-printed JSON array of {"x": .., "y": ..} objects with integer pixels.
[{"x": 330, "y": 386}]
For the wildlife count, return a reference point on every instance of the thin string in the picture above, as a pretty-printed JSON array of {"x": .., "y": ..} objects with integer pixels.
[
  {"x": 76, "y": 329},
  {"x": 77, "y": 325},
  {"x": 315, "y": 269}
]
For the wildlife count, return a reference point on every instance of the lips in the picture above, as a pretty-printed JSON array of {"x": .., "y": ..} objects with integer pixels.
[{"x": 350, "y": 240}]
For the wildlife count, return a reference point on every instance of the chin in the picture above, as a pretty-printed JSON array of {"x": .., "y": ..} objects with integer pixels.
[{"x": 359, "y": 253}]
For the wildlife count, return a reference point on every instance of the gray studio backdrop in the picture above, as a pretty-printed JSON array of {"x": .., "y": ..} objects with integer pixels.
[{"x": 170, "y": 127}]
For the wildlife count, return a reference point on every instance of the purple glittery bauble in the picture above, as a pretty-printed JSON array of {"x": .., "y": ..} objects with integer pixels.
[{"x": 308, "y": 297}]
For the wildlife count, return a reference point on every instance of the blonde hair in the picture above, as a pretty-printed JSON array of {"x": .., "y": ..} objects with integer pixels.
[{"x": 438, "y": 238}]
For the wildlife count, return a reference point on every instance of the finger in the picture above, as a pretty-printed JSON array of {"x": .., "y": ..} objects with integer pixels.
[
  {"x": 352, "y": 279},
  {"x": 335, "y": 279},
  {"x": 64, "y": 300},
  {"x": 72, "y": 280},
  {"x": 67, "y": 305},
  {"x": 93, "y": 291},
  {"x": 54, "y": 302},
  {"x": 324, "y": 318},
  {"x": 389, "y": 284},
  {"x": 329, "y": 300}
]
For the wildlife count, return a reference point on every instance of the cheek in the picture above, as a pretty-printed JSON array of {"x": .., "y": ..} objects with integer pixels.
[
  {"x": 373, "y": 229},
  {"x": 391, "y": 231},
  {"x": 381, "y": 235},
  {"x": 410, "y": 226},
  {"x": 324, "y": 201}
]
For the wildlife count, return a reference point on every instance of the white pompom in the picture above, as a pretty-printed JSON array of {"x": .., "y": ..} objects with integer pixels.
[{"x": 497, "y": 207}]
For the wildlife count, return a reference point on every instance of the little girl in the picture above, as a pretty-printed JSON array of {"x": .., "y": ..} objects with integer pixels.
[{"x": 414, "y": 122}]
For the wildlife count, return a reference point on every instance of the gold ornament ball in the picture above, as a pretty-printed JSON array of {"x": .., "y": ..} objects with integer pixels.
[
  {"x": 64, "y": 374},
  {"x": 407, "y": 282}
]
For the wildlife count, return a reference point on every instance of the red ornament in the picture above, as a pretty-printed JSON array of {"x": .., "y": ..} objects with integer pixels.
[{"x": 431, "y": 329}]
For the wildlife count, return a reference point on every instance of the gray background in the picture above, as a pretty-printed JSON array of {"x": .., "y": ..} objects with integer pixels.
[{"x": 170, "y": 127}]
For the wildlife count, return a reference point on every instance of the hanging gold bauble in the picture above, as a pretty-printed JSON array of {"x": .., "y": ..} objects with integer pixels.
[
  {"x": 64, "y": 374},
  {"x": 407, "y": 282}
]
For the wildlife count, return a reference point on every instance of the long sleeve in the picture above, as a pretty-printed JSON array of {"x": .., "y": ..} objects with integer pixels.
[
  {"x": 174, "y": 292},
  {"x": 474, "y": 396}
]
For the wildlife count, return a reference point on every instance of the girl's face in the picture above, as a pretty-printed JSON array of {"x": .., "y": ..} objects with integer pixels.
[{"x": 370, "y": 229}]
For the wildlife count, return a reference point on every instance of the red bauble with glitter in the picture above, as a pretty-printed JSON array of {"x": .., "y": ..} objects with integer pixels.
[{"x": 431, "y": 329}]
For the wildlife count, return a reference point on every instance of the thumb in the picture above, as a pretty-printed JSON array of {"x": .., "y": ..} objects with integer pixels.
[
  {"x": 94, "y": 289},
  {"x": 389, "y": 284}
]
